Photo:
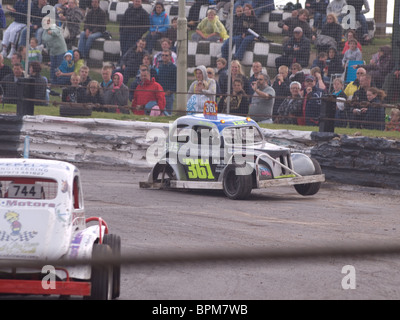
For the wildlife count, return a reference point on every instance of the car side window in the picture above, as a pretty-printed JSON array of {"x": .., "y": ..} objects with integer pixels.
[{"x": 205, "y": 134}]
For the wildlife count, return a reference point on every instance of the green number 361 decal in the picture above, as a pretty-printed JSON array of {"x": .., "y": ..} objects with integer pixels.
[{"x": 199, "y": 169}]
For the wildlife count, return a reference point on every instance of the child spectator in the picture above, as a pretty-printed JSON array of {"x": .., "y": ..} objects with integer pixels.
[
  {"x": 73, "y": 93},
  {"x": 94, "y": 96},
  {"x": 65, "y": 70},
  {"x": 351, "y": 35},
  {"x": 35, "y": 50},
  {"x": 210, "y": 28},
  {"x": 394, "y": 123},
  {"x": 196, "y": 101},
  {"x": 172, "y": 33},
  {"x": 352, "y": 54}
]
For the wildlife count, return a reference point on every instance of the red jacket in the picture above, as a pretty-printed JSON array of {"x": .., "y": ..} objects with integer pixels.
[{"x": 150, "y": 90}]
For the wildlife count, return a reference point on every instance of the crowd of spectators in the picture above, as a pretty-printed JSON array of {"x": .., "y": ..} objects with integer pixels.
[{"x": 293, "y": 96}]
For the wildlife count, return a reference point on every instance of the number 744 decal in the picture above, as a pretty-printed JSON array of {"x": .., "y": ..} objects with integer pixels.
[{"x": 199, "y": 169}]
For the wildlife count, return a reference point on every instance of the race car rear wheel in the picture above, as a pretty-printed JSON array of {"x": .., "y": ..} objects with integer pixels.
[
  {"x": 163, "y": 173},
  {"x": 114, "y": 242},
  {"x": 309, "y": 189},
  {"x": 236, "y": 187},
  {"x": 101, "y": 278}
]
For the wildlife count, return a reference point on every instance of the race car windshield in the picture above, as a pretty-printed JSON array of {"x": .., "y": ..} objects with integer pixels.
[{"x": 242, "y": 135}]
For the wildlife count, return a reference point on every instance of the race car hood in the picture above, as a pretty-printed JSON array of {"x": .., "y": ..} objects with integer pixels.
[{"x": 32, "y": 229}]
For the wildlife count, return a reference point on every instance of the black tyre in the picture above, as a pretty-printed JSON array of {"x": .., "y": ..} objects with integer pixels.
[
  {"x": 236, "y": 187},
  {"x": 309, "y": 189},
  {"x": 101, "y": 274},
  {"x": 67, "y": 111},
  {"x": 163, "y": 173},
  {"x": 114, "y": 242}
]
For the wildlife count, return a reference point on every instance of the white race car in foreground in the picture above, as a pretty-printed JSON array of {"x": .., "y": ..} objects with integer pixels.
[
  {"x": 229, "y": 153},
  {"x": 42, "y": 217}
]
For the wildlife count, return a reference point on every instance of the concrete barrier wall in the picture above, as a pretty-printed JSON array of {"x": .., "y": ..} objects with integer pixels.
[{"x": 351, "y": 160}]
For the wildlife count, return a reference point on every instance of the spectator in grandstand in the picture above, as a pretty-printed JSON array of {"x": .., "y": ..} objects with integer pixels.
[
  {"x": 211, "y": 75},
  {"x": 312, "y": 103},
  {"x": 73, "y": 93},
  {"x": 107, "y": 82},
  {"x": 297, "y": 49},
  {"x": 240, "y": 3},
  {"x": 94, "y": 96},
  {"x": 167, "y": 72},
  {"x": 210, "y": 29},
  {"x": 334, "y": 64},
  {"x": 132, "y": 59},
  {"x": 147, "y": 60},
  {"x": 392, "y": 85},
  {"x": 134, "y": 24},
  {"x": 351, "y": 34},
  {"x": 352, "y": 54},
  {"x": 65, "y": 69},
  {"x": 319, "y": 7},
  {"x": 95, "y": 25},
  {"x": 166, "y": 44},
  {"x": 353, "y": 86},
  {"x": 257, "y": 69},
  {"x": 341, "y": 114},
  {"x": 196, "y": 102},
  {"x": 236, "y": 32},
  {"x": 380, "y": 69},
  {"x": 320, "y": 62},
  {"x": 10, "y": 36},
  {"x": 288, "y": 22},
  {"x": 222, "y": 67},
  {"x": 159, "y": 25},
  {"x": 394, "y": 123},
  {"x": 36, "y": 22},
  {"x": 262, "y": 101},
  {"x": 245, "y": 38},
  {"x": 10, "y": 83},
  {"x": 263, "y": 6},
  {"x": 55, "y": 43},
  {"x": 329, "y": 29},
  {"x": 281, "y": 85},
  {"x": 194, "y": 13},
  {"x": 35, "y": 50},
  {"x": 358, "y": 5},
  {"x": 374, "y": 115},
  {"x": 296, "y": 73},
  {"x": 201, "y": 75},
  {"x": 172, "y": 32},
  {"x": 73, "y": 17},
  {"x": 78, "y": 61},
  {"x": 84, "y": 75},
  {"x": 300, "y": 21},
  {"x": 4, "y": 69},
  {"x": 290, "y": 108},
  {"x": 117, "y": 95},
  {"x": 359, "y": 96},
  {"x": 60, "y": 7},
  {"x": 148, "y": 95},
  {"x": 236, "y": 73},
  {"x": 319, "y": 82},
  {"x": 335, "y": 7},
  {"x": 239, "y": 102},
  {"x": 226, "y": 7},
  {"x": 40, "y": 83}
]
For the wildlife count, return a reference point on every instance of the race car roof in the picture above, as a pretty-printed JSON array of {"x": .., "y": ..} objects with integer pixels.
[{"x": 220, "y": 121}]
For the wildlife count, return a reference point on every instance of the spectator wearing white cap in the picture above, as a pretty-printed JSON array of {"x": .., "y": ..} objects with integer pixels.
[{"x": 296, "y": 50}]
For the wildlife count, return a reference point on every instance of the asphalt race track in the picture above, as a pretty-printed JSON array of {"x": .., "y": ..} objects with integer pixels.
[{"x": 172, "y": 222}]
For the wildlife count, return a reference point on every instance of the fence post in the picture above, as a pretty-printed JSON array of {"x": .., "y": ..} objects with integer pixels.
[
  {"x": 327, "y": 115},
  {"x": 25, "y": 90}
]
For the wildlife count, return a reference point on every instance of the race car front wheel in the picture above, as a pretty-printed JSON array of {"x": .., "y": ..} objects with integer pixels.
[
  {"x": 114, "y": 242},
  {"x": 163, "y": 173},
  {"x": 101, "y": 278},
  {"x": 309, "y": 189},
  {"x": 236, "y": 186}
]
